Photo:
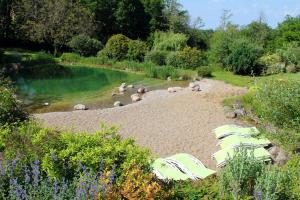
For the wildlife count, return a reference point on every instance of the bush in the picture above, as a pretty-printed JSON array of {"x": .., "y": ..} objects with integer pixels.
[
  {"x": 84, "y": 45},
  {"x": 70, "y": 57},
  {"x": 204, "y": 189},
  {"x": 244, "y": 58},
  {"x": 156, "y": 57},
  {"x": 279, "y": 102},
  {"x": 169, "y": 41},
  {"x": 188, "y": 58},
  {"x": 273, "y": 184},
  {"x": 272, "y": 64},
  {"x": 38, "y": 58},
  {"x": 205, "y": 71},
  {"x": 237, "y": 179},
  {"x": 10, "y": 109},
  {"x": 137, "y": 50},
  {"x": 163, "y": 72},
  {"x": 116, "y": 47}
]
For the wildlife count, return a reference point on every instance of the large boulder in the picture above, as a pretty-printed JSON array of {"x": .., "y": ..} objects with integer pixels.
[
  {"x": 80, "y": 107},
  {"x": 135, "y": 97},
  {"x": 122, "y": 88}
]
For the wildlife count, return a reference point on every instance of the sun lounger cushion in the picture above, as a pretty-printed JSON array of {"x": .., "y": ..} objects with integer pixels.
[
  {"x": 231, "y": 129},
  {"x": 191, "y": 165},
  {"x": 234, "y": 141},
  {"x": 167, "y": 171},
  {"x": 225, "y": 154}
]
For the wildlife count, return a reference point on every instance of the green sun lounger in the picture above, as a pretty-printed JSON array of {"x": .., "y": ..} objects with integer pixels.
[
  {"x": 165, "y": 170},
  {"x": 191, "y": 165},
  {"x": 231, "y": 129},
  {"x": 234, "y": 141},
  {"x": 223, "y": 155}
]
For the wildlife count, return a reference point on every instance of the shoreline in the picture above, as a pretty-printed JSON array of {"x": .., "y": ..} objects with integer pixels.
[{"x": 166, "y": 123}]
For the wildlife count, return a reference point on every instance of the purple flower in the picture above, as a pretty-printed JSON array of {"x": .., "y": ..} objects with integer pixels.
[
  {"x": 27, "y": 177},
  {"x": 56, "y": 189},
  {"x": 112, "y": 175},
  {"x": 20, "y": 193},
  {"x": 2, "y": 170},
  {"x": 53, "y": 157},
  {"x": 36, "y": 172},
  {"x": 258, "y": 194}
]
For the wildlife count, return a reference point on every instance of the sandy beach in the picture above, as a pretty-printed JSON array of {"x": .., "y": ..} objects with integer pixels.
[{"x": 166, "y": 123}]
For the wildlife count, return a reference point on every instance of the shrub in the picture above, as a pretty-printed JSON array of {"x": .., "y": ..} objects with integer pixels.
[
  {"x": 288, "y": 54},
  {"x": 204, "y": 71},
  {"x": 279, "y": 102},
  {"x": 10, "y": 110},
  {"x": 84, "y": 45},
  {"x": 169, "y": 41},
  {"x": 156, "y": 57},
  {"x": 237, "y": 179},
  {"x": 137, "y": 50},
  {"x": 116, "y": 47},
  {"x": 70, "y": 57},
  {"x": 163, "y": 72},
  {"x": 204, "y": 189},
  {"x": 38, "y": 58},
  {"x": 188, "y": 58},
  {"x": 244, "y": 58},
  {"x": 272, "y": 64},
  {"x": 273, "y": 184}
]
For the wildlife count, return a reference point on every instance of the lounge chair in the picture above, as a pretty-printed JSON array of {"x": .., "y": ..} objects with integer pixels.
[
  {"x": 234, "y": 141},
  {"x": 165, "y": 170},
  {"x": 191, "y": 166},
  {"x": 231, "y": 129},
  {"x": 223, "y": 155}
]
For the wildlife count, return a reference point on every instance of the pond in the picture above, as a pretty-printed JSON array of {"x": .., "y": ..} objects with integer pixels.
[{"x": 63, "y": 87}]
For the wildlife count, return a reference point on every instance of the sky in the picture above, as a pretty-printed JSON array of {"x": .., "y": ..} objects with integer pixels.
[{"x": 244, "y": 11}]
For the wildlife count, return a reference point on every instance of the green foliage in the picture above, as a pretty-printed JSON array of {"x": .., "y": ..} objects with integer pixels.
[
  {"x": 136, "y": 50},
  {"x": 288, "y": 54},
  {"x": 259, "y": 32},
  {"x": 204, "y": 189},
  {"x": 41, "y": 26},
  {"x": 62, "y": 153},
  {"x": 244, "y": 58},
  {"x": 288, "y": 31},
  {"x": 70, "y": 57},
  {"x": 169, "y": 41},
  {"x": 237, "y": 179},
  {"x": 272, "y": 64},
  {"x": 273, "y": 184},
  {"x": 279, "y": 102},
  {"x": 163, "y": 72},
  {"x": 10, "y": 110},
  {"x": 116, "y": 47},
  {"x": 84, "y": 45},
  {"x": 37, "y": 59},
  {"x": 157, "y": 57},
  {"x": 188, "y": 58},
  {"x": 204, "y": 71}
]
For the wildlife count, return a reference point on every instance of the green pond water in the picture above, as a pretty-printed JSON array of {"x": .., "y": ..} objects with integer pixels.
[{"x": 69, "y": 86}]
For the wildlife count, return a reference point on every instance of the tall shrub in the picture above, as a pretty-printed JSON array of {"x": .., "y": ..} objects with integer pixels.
[
  {"x": 169, "y": 41},
  {"x": 244, "y": 58},
  {"x": 136, "y": 50},
  {"x": 84, "y": 45},
  {"x": 116, "y": 47}
]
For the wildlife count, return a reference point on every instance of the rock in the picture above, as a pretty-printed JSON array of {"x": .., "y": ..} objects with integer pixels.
[
  {"x": 46, "y": 104},
  {"x": 237, "y": 105},
  {"x": 135, "y": 97},
  {"x": 130, "y": 86},
  {"x": 141, "y": 90},
  {"x": 180, "y": 78},
  {"x": 230, "y": 115},
  {"x": 122, "y": 89},
  {"x": 196, "y": 89},
  {"x": 80, "y": 107},
  {"x": 240, "y": 112},
  {"x": 113, "y": 94},
  {"x": 278, "y": 155},
  {"x": 118, "y": 104},
  {"x": 174, "y": 89},
  {"x": 192, "y": 85},
  {"x": 123, "y": 85},
  {"x": 169, "y": 78}
]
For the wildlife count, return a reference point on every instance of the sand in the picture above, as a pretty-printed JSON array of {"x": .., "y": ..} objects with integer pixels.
[{"x": 166, "y": 123}]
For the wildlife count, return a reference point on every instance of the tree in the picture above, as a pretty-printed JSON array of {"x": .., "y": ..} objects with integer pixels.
[
  {"x": 225, "y": 22},
  {"x": 53, "y": 22},
  {"x": 178, "y": 19},
  {"x": 131, "y": 19},
  {"x": 5, "y": 18},
  {"x": 259, "y": 32},
  {"x": 288, "y": 31}
]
